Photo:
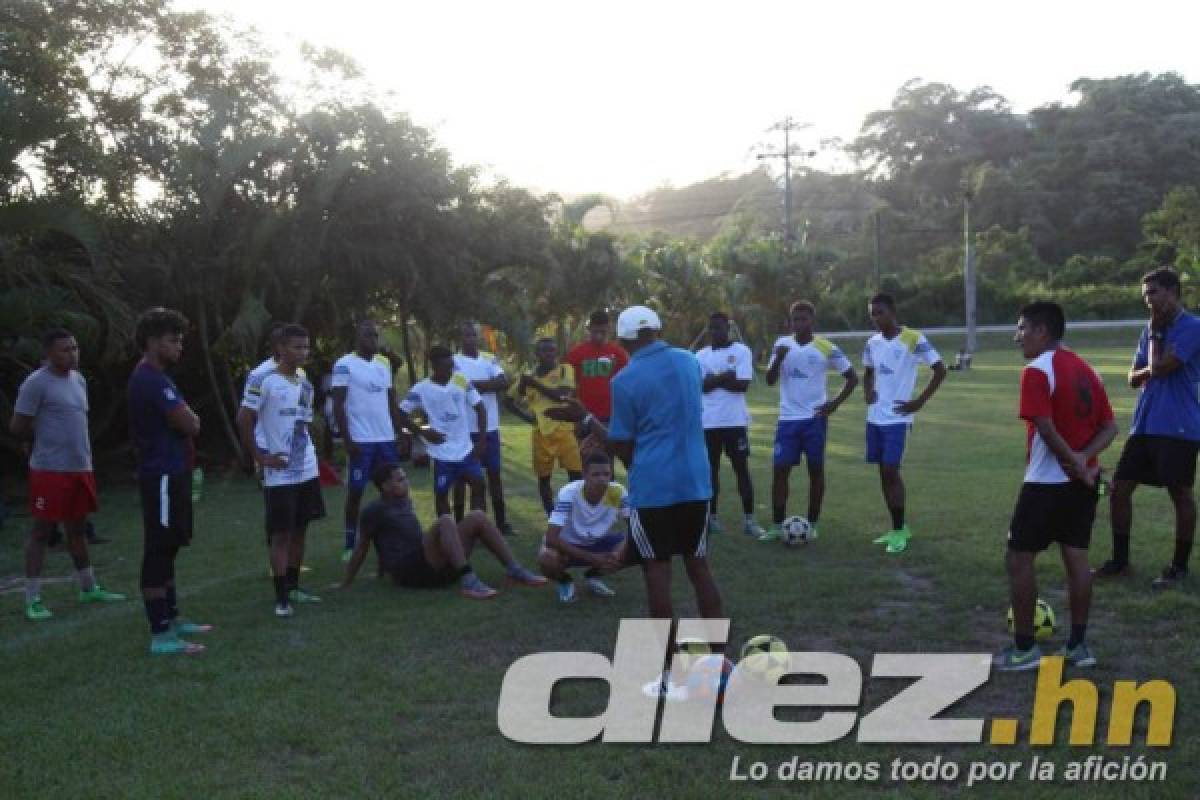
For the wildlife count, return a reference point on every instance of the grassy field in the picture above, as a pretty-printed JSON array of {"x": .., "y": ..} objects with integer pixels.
[{"x": 381, "y": 692}]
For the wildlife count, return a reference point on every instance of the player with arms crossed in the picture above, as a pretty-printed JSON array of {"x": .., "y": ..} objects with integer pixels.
[
  {"x": 582, "y": 530},
  {"x": 447, "y": 399},
  {"x": 364, "y": 404},
  {"x": 163, "y": 426},
  {"x": 550, "y": 385},
  {"x": 285, "y": 451},
  {"x": 1165, "y": 437},
  {"x": 52, "y": 411},
  {"x": 890, "y": 362},
  {"x": 1068, "y": 423},
  {"x": 799, "y": 364},
  {"x": 439, "y": 558},
  {"x": 487, "y": 377}
]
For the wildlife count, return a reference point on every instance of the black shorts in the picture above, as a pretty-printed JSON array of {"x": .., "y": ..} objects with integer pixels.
[
  {"x": 292, "y": 506},
  {"x": 734, "y": 441},
  {"x": 415, "y": 572},
  {"x": 1052, "y": 512},
  {"x": 678, "y": 530},
  {"x": 1158, "y": 461},
  {"x": 166, "y": 511}
]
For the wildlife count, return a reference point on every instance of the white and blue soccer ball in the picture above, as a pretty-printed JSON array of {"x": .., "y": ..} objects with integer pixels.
[{"x": 797, "y": 531}]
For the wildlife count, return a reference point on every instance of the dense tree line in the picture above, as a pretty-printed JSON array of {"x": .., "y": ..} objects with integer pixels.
[{"x": 149, "y": 156}]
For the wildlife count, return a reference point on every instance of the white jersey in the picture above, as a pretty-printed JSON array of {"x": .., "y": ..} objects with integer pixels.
[
  {"x": 448, "y": 408},
  {"x": 581, "y": 522},
  {"x": 723, "y": 408},
  {"x": 895, "y": 362},
  {"x": 284, "y": 412},
  {"x": 367, "y": 383},
  {"x": 251, "y": 392},
  {"x": 484, "y": 367},
  {"x": 802, "y": 375}
]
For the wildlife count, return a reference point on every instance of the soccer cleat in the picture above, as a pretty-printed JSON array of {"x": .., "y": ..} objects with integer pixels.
[
  {"x": 599, "y": 587},
  {"x": 98, "y": 594},
  {"x": 772, "y": 534},
  {"x": 664, "y": 687},
  {"x": 475, "y": 589},
  {"x": 1113, "y": 569},
  {"x": 36, "y": 611},
  {"x": 566, "y": 591},
  {"x": 183, "y": 627},
  {"x": 507, "y": 529},
  {"x": 1010, "y": 659},
  {"x": 283, "y": 610},
  {"x": 299, "y": 595},
  {"x": 524, "y": 577},
  {"x": 715, "y": 527},
  {"x": 169, "y": 643},
  {"x": 752, "y": 528},
  {"x": 1078, "y": 656},
  {"x": 347, "y": 554},
  {"x": 898, "y": 541},
  {"x": 1171, "y": 577}
]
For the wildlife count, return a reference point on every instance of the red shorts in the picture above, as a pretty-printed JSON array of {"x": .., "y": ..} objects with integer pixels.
[{"x": 61, "y": 496}]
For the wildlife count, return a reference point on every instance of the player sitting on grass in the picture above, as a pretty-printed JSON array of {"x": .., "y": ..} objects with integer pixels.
[
  {"x": 549, "y": 385},
  {"x": 438, "y": 558},
  {"x": 581, "y": 529},
  {"x": 448, "y": 400},
  {"x": 1068, "y": 422}
]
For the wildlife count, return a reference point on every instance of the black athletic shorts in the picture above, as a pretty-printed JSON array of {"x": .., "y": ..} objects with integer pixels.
[
  {"x": 292, "y": 506},
  {"x": 415, "y": 572},
  {"x": 166, "y": 511},
  {"x": 1052, "y": 512},
  {"x": 1158, "y": 461},
  {"x": 678, "y": 530},
  {"x": 734, "y": 441}
]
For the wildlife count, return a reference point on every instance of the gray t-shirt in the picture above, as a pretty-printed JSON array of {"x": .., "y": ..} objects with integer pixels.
[{"x": 59, "y": 407}]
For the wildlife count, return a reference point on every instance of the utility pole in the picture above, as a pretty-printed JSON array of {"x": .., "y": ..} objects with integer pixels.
[
  {"x": 787, "y": 125},
  {"x": 969, "y": 273}
]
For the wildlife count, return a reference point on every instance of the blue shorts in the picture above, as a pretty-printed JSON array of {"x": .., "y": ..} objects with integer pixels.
[
  {"x": 609, "y": 543},
  {"x": 491, "y": 458},
  {"x": 448, "y": 473},
  {"x": 885, "y": 443},
  {"x": 370, "y": 456},
  {"x": 800, "y": 437}
]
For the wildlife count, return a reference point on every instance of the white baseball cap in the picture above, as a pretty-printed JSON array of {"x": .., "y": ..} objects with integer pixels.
[{"x": 637, "y": 318}]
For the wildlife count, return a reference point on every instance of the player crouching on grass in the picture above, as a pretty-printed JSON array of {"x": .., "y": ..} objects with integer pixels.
[
  {"x": 1068, "y": 422},
  {"x": 581, "y": 529},
  {"x": 438, "y": 558}
]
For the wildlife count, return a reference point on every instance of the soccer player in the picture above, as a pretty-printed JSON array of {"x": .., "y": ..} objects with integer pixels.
[
  {"x": 799, "y": 364},
  {"x": 163, "y": 427},
  {"x": 890, "y": 362},
  {"x": 728, "y": 370},
  {"x": 487, "y": 376},
  {"x": 553, "y": 441},
  {"x": 582, "y": 530},
  {"x": 1068, "y": 423},
  {"x": 596, "y": 362},
  {"x": 1163, "y": 443},
  {"x": 440, "y": 557},
  {"x": 51, "y": 413},
  {"x": 657, "y": 429},
  {"x": 284, "y": 449},
  {"x": 247, "y": 414},
  {"x": 364, "y": 404},
  {"x": 447, "y": 399}
]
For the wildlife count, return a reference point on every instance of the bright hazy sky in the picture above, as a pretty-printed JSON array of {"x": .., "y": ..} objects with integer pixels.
[{"x": 622, "y": 96}]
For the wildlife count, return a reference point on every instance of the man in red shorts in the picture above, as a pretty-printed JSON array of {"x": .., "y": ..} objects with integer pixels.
[{"x": 51, "y": 413}]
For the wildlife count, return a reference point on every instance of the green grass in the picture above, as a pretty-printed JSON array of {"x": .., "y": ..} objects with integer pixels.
[{"x": 384, "y": 692}]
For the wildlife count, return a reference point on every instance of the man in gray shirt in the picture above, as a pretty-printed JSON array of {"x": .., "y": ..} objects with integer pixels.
[{"x": 51, "y": 414}]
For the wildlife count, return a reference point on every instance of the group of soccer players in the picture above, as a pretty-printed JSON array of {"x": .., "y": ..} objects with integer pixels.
[{"x": 668, "y": 414}]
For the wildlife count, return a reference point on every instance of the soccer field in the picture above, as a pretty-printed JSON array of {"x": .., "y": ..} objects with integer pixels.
[{"x": 381, "y": 692}]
